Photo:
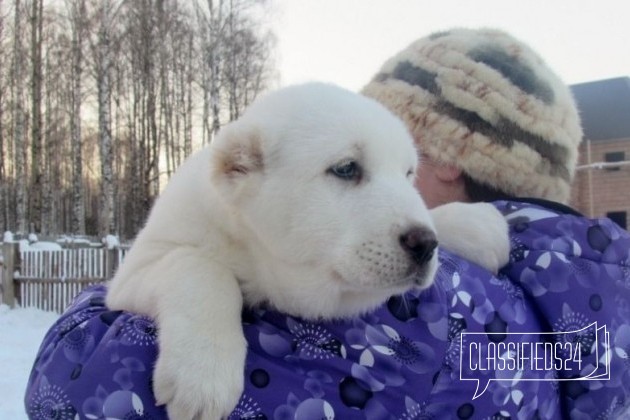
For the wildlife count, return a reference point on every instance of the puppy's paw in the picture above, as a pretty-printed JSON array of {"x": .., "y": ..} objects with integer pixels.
[
  {"x": 475, "y": 231},
  {"x": 200, "y": 379}
]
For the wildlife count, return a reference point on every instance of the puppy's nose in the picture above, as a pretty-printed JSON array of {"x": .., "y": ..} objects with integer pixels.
[{"x": 419, "y": 243}]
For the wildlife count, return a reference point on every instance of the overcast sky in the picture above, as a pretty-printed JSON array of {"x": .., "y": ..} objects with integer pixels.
[{"x": 346, "y": 41}]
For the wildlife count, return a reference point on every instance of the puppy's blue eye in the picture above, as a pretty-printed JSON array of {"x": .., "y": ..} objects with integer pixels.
[{"x": 347, "y": 170}]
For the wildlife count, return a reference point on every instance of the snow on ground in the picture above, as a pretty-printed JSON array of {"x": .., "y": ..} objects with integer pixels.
[{"x": 21, "y": 332}]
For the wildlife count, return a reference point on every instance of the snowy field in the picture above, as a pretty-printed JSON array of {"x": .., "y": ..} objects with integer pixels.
[{"x": 21, "y": 331}]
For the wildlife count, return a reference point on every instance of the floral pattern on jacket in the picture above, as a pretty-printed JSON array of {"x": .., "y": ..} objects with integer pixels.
[{"x": 409, "y": 359}]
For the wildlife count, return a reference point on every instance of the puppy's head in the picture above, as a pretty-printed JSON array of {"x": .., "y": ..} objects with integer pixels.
[{"x": 321, "y": 180}]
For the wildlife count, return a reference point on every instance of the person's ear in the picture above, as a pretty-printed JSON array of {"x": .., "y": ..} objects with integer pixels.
[{"x": 447, "y": 173}]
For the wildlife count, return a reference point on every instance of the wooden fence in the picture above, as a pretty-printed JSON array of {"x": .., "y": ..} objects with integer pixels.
[{"x": 49, "y": 280}]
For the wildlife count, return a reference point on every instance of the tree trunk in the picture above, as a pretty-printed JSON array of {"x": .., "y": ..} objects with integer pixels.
[
  {"x": 19, "y": 138},
  {"x": 78, "y": 200},
  {"x": 216, "y": 22},
  {"x": 49, "y": 221},
  {"x": 188, "y": 108},
  {"x": 4, "y": 221},
  {"x": 103, "y": 51},
  {"x": 36, "y": 114}
]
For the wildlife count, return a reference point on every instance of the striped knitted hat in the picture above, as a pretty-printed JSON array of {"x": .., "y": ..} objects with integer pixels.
[{"x": 486, "y": 103}]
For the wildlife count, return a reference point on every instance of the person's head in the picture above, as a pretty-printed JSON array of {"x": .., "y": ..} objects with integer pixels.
[{"x": 491, "y": 120}]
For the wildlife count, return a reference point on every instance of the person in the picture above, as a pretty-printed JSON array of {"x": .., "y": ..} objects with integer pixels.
[{"x": 547, "y": 337}]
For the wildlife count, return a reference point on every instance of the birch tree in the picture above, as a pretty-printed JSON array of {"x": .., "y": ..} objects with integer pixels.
[
  {"x": 77, "y": 15},
  {"x": 212, "y": 26},
  {"x": 55, "y": 119},
  {"x": 37, "y": 19},
  {"x": 246, "y": 56},
  {"x": 141, "y": 40},
  {"x": 102, "y": 53},
  {"x": 101, "y": 101},
  {"x": 4, "y": 222},
  {"x": 19, "y": 120}
]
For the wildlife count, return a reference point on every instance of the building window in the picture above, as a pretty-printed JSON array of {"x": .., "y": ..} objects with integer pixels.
[
  {"x": 612, "y": 157},
  {"x": 619, "y": 217}
]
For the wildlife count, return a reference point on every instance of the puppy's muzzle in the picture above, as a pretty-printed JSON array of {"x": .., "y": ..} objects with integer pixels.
[{"x": 420, "y": 244}]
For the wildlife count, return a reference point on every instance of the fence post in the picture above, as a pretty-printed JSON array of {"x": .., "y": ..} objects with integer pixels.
[
  {"x": 111, "y": 262},
  {"x": 9, "y": 252}
]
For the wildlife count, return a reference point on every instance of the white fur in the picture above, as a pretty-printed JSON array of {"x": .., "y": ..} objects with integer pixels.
[
  {"x": 258, "y": 217},
  {"x": 477, "y": 231}
]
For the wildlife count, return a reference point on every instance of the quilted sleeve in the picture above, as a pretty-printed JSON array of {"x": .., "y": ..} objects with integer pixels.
[{"x": 95, "y": 363}]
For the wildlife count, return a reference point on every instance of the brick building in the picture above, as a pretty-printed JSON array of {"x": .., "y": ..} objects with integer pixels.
[{"x": 602, "y": 183}]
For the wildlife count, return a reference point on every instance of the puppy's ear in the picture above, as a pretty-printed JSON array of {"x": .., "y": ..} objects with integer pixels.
[{"x": 236, "y": 152}]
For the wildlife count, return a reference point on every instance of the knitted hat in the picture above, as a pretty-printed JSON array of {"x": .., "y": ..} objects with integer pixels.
[{"x": 486, "y": 103}]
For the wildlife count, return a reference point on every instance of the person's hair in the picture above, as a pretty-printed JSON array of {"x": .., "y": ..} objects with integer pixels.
[{"x": 480, "y": 192}]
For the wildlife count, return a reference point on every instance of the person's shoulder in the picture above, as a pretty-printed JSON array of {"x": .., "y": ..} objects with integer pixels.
[
  {"x": 533, "y": 209},
  {"x": 544, "y": 224},
  {"x": 573, "y": 271}
]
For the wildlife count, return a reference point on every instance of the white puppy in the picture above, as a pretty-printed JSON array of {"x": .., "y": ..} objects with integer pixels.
[{"x": 305, "y": 204}]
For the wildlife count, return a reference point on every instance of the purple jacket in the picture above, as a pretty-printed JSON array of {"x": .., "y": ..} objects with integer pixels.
[{"x": 528, "y": 334}]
